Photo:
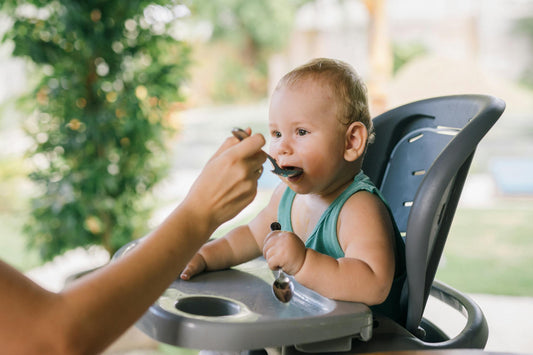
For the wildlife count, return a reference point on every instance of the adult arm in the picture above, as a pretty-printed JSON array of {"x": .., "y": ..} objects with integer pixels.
[{"x": 95, "y": 310}]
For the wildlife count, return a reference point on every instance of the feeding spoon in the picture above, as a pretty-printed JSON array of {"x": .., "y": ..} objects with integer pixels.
[
  {"x": 282, "y": 287},
  {"x": 241, "y": 134}
]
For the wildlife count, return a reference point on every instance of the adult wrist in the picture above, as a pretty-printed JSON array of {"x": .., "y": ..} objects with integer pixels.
[{"x": 194, "y": 220}]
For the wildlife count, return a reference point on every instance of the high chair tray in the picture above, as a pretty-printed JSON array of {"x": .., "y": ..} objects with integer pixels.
[{"x": 236, "y": 310}]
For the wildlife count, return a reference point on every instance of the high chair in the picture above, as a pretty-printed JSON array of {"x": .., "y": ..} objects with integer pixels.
[{"x": 419, "y": 160}]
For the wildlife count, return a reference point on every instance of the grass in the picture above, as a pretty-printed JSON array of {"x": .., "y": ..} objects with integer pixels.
[{"x": 489, "y": 250}]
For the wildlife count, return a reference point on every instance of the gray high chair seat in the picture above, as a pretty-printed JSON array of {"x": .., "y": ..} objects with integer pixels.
[{"x": 420, "y": 160}]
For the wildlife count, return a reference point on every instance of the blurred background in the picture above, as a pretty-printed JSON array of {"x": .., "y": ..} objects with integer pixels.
[{"x": 108, "y": 112}]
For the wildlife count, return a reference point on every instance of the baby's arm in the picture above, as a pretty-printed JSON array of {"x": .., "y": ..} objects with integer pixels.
[
  {"x": 234, "y": 248},
  {"x": 239, "y": 245},
  {"x": 365, "y": 274}
]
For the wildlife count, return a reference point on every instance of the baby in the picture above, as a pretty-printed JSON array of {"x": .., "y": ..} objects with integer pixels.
[{"x": 338, "y": 236}]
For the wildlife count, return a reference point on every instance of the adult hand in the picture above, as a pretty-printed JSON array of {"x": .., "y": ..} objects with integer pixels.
[
  {"x": 284, "y": 250},
  {"x": 228, "y": 181}
]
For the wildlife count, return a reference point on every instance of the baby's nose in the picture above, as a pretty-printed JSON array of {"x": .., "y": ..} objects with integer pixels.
[{"x": 284, "y": 147}]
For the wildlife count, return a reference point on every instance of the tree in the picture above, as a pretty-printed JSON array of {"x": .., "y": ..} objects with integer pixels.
[
  {"x": 252, "y": 31},
  {"x": 107, "y": 73}
]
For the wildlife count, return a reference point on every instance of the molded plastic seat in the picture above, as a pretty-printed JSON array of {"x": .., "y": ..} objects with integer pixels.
[{"x": 420, "y": 160}]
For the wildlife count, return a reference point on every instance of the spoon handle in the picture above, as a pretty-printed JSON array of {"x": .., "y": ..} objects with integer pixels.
[
  {"x": 282, "y": 287},
  {"x": 239, "y": 133},
  {"x": 275, "y": 226}
]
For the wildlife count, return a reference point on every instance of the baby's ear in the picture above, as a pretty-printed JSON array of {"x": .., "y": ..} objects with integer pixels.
[{"x": 355, "y": 144}]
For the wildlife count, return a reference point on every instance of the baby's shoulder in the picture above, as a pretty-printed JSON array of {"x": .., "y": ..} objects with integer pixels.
[
  {"x": 365, "y": 217},
  {"x": 363, "y": 203}
]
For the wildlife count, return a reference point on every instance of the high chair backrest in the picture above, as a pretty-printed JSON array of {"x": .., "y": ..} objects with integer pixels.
[{"x": 420, "y": 160}]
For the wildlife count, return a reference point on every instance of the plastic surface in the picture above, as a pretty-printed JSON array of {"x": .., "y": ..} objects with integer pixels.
[
  {"x": 420, "y": 160},
  {"x": 390, "y": 336},
  {"x": 236, "y": 310}
]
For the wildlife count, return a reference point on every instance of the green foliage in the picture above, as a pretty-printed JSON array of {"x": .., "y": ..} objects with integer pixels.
[
  {"x": 263, "y": 25},
  {"x": 253, "y": 30},
  {"x": 238, "y": 82},
  {"x": 107, "y": 74},
  {"x": 405, "y": 52}
]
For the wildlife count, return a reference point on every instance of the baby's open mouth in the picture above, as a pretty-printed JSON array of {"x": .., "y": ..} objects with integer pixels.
[{"x": 295, "y": 171}]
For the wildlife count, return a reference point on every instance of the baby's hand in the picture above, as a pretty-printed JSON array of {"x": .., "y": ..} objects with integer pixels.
[
  {"x": 284, "y": 250},
  {"x": 195, "y": 266}
]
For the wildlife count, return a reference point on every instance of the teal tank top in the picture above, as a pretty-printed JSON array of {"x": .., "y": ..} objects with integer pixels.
[{"x": 324, "y": 240}]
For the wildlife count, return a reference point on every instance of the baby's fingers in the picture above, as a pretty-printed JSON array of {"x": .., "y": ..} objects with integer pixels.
[
  {"x": 271, "y": 250},
  {"x": 270, "y": 242},
  {"x": 187, "y": 273},
  {"x": 195, "y": 266}
]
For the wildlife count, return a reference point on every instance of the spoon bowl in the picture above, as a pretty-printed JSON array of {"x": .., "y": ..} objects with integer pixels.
[
  {"x": 241, "y": 134},
  {"x": 282, "y": 287}
]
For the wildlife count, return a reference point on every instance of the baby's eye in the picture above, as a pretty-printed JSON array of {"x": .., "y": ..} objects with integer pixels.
[
  {"x": 275, "y": 134},
  {"x": 302, "y": 132}
]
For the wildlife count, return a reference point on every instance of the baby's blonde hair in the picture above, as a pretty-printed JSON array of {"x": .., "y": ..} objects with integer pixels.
[{"x": 344, "y": 82}]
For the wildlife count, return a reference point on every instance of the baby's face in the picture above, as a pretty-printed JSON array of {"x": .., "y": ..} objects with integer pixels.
[{"x": 306, "y": 133}]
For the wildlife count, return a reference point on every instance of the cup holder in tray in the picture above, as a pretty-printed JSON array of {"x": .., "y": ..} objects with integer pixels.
[{"x": 208, "y": 306}]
